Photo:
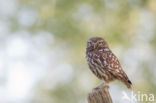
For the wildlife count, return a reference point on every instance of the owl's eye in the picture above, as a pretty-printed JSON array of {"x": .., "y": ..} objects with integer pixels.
[
  {"x": 100, "y": 43},
  {"x": 89, "y": 43}
]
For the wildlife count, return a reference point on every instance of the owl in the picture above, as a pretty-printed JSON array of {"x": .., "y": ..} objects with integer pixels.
[{"x": 103, "y": 63}]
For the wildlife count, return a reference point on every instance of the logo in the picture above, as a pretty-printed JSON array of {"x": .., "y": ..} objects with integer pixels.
[{"x": 138, "y": 97}]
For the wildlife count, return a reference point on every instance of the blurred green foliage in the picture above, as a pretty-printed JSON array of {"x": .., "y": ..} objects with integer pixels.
[{"x": 72, "y": 22}]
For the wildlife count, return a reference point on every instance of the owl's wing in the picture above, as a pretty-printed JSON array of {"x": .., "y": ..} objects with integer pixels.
[{"x": 114, "y": 67}]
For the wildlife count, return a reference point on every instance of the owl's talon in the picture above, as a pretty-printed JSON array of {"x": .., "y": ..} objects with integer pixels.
[
  {"x": 104, "y": 85},
  {"x": 96, "y": 88}
]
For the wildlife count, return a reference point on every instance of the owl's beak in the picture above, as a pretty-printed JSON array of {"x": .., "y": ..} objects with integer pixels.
[{"x": 94, "y": 46}]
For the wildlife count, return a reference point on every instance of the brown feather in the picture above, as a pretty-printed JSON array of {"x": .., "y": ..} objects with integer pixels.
[{"x": 103, "y": 63}]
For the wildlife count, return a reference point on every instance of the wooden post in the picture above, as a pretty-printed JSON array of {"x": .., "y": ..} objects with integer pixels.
[{"x": 100, "y": 94}]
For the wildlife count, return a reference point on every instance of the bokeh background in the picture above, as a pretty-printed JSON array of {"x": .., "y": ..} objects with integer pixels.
[{"x": 42, "y": 47}]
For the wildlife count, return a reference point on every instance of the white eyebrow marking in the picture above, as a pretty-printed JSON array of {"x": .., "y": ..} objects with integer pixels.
[
  {"x": 89, "y": 40},
  {"x": 100, "y": 41}
]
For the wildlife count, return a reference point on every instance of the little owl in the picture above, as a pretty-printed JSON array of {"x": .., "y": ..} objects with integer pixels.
[{"x": 103, "y": 63}]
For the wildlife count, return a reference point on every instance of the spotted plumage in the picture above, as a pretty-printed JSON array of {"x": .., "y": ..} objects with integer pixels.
[{"x": 103, "y": 63}]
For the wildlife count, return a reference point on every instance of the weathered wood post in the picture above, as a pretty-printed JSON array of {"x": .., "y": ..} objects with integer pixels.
[{"x": 100, "y": 94}]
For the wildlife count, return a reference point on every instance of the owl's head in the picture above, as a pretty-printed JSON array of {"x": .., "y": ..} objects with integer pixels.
[{"x": 96, "y": 43}]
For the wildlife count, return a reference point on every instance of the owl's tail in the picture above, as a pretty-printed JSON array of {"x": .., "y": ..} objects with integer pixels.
[
  {"x": 128, "y": 84},
  {"x": 124, "y": 78}
]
